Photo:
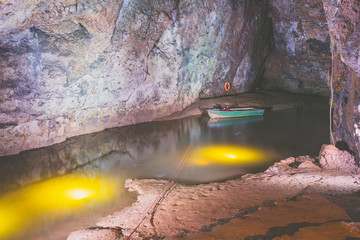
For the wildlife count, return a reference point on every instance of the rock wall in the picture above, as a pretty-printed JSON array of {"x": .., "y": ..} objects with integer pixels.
[
  {"x": 300, "y": 60},
  {"x": 71, "y": 67},
  {"x": 344, "y": 24}
]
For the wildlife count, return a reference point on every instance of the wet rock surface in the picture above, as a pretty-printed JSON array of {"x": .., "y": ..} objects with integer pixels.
[{"x": 282, "y": 203}]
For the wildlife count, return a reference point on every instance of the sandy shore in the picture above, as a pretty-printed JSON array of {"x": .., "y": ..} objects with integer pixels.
[{"x": 294, "y": 198}]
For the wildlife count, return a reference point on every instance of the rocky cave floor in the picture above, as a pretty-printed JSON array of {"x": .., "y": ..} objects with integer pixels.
[{"x": 293, "y": 199}]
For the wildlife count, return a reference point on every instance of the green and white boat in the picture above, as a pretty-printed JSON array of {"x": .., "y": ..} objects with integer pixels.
[{"x": 235, "y": 112}]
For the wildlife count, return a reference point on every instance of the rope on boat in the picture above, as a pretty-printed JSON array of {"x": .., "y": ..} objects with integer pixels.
[{"x": 170, "y": 182}]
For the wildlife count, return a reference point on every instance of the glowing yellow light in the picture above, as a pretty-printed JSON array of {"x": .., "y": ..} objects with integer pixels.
[
  {"x": 9, "y": 221},
  {"x": 78, "y": 193},
  {"x": 54, "y": 197},
  {"x": 229, "y": 155}
]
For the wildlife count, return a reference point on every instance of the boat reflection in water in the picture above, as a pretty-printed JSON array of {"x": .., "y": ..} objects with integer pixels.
[
  {"x": 224, "y": 122},
  {"x": 24, "y": 209}
]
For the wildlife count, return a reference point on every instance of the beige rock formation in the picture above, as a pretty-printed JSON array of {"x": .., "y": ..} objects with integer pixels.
[{"x": 330, "y": 157}]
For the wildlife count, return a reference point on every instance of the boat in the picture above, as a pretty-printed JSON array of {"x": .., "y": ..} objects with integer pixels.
[{"x": 235, "y": 112}]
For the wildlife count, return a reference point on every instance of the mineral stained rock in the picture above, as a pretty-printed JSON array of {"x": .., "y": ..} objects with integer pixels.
[
  {"x": 74, "y": 67},
  {"x": 300, "y": 59},
  {"x": 343, "y": 19}
]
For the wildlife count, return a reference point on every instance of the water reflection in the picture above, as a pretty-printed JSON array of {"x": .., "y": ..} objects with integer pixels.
[
  {"x": 220, "y": 123},
  {"x": 154, "y": 149},
  {"x": 225, "y": 149}
]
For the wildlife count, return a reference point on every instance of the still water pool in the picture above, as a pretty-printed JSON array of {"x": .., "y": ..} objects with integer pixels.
[{"x": 49, "y": 192}]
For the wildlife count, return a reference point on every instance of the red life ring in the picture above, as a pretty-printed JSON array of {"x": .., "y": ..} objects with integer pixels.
[{"x": 227, "y": 86}]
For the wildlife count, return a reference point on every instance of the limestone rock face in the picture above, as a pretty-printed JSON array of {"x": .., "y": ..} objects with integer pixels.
[
  {"x": 344, "y": 26},
  {"x": 74, "y": 67},
  {"x": 300, "y": 58},
  {"x": 330, "y": 157}
]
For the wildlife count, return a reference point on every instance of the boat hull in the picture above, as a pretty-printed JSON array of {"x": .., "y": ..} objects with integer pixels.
[{"x": 215, "y": 113}]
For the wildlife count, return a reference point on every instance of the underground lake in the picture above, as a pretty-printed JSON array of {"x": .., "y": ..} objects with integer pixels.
[{"x": 91, "y": 169}]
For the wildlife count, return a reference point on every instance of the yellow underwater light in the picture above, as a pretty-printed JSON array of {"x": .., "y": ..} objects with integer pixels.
[
  {"x": 52, "y": 198},
  {"x": 10, "y": 220},
  {"x": 78, "y": 193},
  {"x": 226, "y": 155}
]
